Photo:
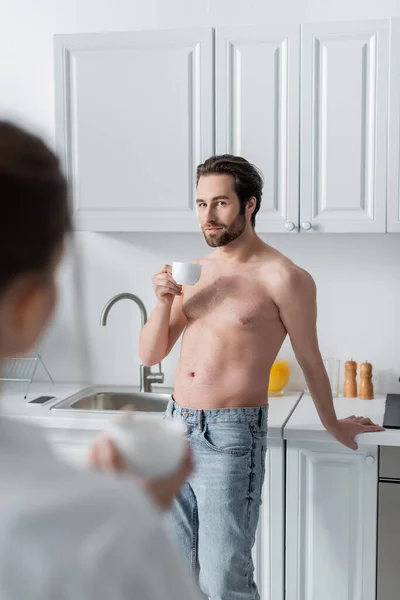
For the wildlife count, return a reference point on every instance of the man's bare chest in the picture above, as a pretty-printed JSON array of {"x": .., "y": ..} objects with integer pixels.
[{"x": 230, "y": 300}]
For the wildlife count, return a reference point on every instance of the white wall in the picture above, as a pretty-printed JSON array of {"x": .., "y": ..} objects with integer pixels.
[
  {"x": 358, "y": 279},
  {"x": 358, "y": 276}
]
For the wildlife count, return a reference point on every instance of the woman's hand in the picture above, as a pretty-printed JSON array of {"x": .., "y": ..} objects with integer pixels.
[{"x": 104, "y": 455}]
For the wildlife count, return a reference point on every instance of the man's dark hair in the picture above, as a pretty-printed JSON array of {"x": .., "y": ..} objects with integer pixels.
[
  {"x": 248, "y": 179},
  {"x": 33, "y": 203}
]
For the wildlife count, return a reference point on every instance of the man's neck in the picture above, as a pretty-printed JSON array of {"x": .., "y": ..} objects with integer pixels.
[{"x": 243, "y": 248}]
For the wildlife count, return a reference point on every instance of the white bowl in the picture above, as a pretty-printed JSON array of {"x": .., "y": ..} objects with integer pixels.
[
  {"x": 186, "y": 273},
  {"x": 152, "y": 447}
]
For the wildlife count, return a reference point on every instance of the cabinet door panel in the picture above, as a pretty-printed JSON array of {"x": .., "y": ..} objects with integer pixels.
[
  {"x": 257, "y": 112},
  {"x": 134, "y": 118},
  {"x": 343, "y": 157},
  {"x": 393, "y": 214},
  {"x": 331, "y": 511}
]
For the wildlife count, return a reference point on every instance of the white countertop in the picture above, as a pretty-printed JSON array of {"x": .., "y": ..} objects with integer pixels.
[
  {"x": 294, "y": 423},
  {"x": 280, "y": 409},
  {"x": 305, "y": 425},
  {"x": 13, "y": 404}
]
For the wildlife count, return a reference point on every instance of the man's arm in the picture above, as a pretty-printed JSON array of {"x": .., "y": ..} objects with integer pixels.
[
  {"x": 166, "y": 322},
  {"x": 297, "y": 303}
]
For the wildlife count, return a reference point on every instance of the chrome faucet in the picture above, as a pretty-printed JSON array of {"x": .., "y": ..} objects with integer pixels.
[{"x": 147, "y": 378}]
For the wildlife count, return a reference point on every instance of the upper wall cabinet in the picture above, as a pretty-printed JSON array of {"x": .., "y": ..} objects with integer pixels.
[
  {"x": 137, "y": 112},
  {"x": 257, "y": 112},
  {"x": 134, "y": 114},
  {"x": 344, "y": 98},
  {"x": 393, "y": 216}
]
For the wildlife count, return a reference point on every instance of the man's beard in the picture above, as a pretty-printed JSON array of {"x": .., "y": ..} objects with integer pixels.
[{"x": 227, "y": 234}]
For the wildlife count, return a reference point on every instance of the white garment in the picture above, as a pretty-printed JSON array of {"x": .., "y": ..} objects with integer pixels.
[{"x": 67, "y": 534}]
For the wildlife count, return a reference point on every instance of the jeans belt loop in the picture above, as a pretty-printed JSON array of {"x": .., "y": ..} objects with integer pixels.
[
  {"x": 260, "y": 417},
  {"x": 201, "y": 420}
]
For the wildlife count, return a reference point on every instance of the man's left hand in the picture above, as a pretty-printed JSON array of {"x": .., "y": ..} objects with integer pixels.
[{"x": 346, "y": 430}]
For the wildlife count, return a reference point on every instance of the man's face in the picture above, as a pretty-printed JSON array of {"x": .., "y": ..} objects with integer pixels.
[{"x": 219, "y": 210}]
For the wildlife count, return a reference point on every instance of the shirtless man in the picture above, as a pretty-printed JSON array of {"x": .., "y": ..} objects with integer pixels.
[{"x": 234, "y": 320}]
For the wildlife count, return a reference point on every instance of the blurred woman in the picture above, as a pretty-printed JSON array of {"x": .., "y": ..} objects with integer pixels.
[{"x": 64, "y": 534}]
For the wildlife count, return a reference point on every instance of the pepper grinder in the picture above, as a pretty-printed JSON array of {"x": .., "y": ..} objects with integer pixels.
[
  {"x": 366, "y": 388},
  {"x": 350, "y": 381}
]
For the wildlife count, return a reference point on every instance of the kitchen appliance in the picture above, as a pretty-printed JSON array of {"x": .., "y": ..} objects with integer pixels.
[
  {"x": 388, "y": 572},
  {"x": 391, "y": 419}
]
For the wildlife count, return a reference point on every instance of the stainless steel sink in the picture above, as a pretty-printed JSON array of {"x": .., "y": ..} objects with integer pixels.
[{"x": 114, "y": 399}]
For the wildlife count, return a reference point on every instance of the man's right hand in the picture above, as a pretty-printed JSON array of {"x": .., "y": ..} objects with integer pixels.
[{"x": 164, "y": 285}]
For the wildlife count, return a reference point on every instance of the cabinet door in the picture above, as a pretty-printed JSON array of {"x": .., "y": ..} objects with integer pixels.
[
  {"x": 74, "y": 455},
  {"x": 343, "y": 157},
  {"x": 331, "y": 513},
  {"x": 71, "y": 445},
  {"x": 134, "y": 118},
  {"x": 393, "y": 215},
  {"x": 269, "y": 549},
  {"x": 257, "y": 113}
]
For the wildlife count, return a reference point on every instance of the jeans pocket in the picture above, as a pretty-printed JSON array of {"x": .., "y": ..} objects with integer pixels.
[
  {"x": 228, "y": 438},
  {"x": 260, "y": 432}
]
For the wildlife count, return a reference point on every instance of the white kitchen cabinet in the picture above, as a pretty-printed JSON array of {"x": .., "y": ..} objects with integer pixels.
[
  {"x": 393, "y": 209},
  {"x": 76, "y": 456},
  {"x": 269, "y": 550},
  {"x": 257, "y": 112},
  {"x": 137, "y": 112},
  {"x": 343, "y": 151},
  {"x": 71, "y": 445},
  {"x": 72, "y": 438},
  {"x": 331, "y": 512},
  {"x": 134, "y": 117}
]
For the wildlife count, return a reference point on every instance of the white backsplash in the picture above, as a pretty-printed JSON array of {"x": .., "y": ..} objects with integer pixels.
[{"x": 357, "y": 276}]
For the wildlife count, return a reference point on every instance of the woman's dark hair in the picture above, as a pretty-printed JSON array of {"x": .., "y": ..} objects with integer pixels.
[
  {"x": 248, "y": 179},
  {"x": 33, "y": 203}
]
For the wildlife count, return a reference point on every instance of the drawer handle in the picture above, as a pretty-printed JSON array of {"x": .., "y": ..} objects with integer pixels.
[{"x": 370, "y": 460}]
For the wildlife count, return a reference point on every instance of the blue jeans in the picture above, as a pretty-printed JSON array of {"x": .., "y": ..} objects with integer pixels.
[{"x": 216, "y": 515}]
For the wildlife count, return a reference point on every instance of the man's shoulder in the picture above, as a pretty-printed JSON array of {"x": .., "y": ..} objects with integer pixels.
[{"x": 283, "y": 274}]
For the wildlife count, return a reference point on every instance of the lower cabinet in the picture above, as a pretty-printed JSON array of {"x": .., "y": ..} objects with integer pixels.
[
  {"x": 331, "y": 515},
  {"x": 316, "y": 538},
  {"x": 269, "y": 550},
  {"x": 72, "y": 446}
]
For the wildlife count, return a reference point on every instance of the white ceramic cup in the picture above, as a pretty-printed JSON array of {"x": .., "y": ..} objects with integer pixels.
[
  {"x": 186, "y": 273},
  {"x": 152, "y": 447}
]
